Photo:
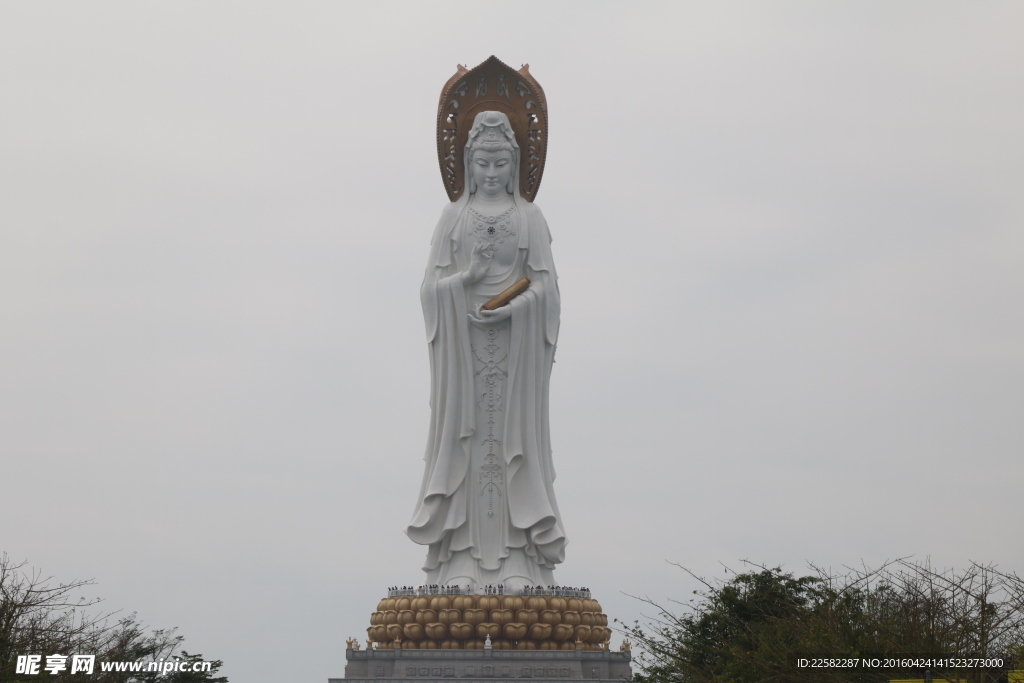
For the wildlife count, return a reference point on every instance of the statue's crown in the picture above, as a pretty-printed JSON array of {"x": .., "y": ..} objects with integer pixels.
[{"x": 490, "y": 136}]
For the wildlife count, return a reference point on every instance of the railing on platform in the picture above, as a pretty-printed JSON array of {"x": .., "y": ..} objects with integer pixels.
[{"x": 556, "y": 591}]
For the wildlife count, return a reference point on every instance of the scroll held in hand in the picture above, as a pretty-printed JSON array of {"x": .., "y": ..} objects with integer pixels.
[{"x": 506, "y": 296}]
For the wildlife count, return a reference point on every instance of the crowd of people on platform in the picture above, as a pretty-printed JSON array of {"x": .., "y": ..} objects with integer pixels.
[
  {"x": 563, "y": 591},
  {"x": 430, "y": 589},
  {"x": 489, "y": 589}
]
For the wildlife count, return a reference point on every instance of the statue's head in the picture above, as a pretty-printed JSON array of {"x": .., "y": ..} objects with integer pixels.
[{"x": 492, "y": 155}]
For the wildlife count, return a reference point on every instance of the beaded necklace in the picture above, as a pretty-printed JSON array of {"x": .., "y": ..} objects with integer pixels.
[{"x": 492, "y": 229}]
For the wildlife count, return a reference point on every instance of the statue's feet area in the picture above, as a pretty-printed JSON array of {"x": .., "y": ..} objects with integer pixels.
[{"x": 513, "y": 622}]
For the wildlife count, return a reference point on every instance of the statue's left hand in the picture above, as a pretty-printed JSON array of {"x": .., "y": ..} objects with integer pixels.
[{"x": 492, "y": 317}]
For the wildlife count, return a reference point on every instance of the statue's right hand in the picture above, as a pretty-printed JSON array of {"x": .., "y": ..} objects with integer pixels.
[{"x": 479, "y": 262}]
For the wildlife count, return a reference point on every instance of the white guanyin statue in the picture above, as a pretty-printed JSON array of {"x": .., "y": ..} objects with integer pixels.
[{"x": 486, "y": 508}]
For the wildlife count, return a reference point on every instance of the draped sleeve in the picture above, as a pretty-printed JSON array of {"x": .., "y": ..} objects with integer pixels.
[
  {"x": 440, "y": 263},
  {"x": 541, "y": 270}
]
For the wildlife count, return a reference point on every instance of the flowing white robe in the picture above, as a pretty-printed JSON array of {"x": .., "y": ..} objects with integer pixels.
[{"x": 486, "y": 508}]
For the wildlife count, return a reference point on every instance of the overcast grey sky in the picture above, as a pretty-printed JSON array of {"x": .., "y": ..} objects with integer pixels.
[{"x": 790, "y": 247}]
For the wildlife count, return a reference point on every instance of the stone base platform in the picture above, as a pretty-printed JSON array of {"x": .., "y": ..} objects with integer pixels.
[{"x": 480, "y": 666}]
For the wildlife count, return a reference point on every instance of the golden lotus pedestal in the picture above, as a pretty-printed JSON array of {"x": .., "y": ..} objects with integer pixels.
[
  {"x": 465, "y": 622},
  {"x": 435, "y": 637}
]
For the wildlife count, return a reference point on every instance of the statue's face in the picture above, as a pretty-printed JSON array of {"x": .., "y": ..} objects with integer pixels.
[{"x": 491, "y": 171}]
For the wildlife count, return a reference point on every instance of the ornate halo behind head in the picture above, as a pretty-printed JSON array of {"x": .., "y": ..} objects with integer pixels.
[{"x": 494, "y": 86}]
